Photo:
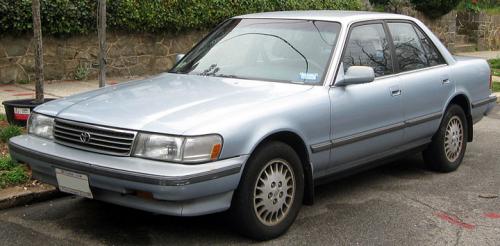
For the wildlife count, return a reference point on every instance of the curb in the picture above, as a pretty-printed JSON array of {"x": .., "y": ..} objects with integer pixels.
[{"x": 19, "y": 196}]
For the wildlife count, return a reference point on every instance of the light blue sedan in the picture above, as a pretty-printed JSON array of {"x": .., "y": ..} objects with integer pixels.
[{"x": 259, "y": 112}]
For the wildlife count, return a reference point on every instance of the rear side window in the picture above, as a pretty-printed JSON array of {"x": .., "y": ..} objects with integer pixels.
[
  {"x": 413, "y": 49},
  {"x": 368, "y": 46},
  {"x": 432, "y": 54}
]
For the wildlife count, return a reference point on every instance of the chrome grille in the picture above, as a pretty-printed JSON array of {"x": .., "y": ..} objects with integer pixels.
[{"x": 93, "y": 138}]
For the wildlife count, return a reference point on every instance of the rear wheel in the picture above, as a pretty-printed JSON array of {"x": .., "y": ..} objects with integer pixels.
[
  {"x": 270, "y": 193},
  {"x": 446, "y": 152}
]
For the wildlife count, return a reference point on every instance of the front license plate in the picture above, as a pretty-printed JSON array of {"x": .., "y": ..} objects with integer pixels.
[
  {"x": 74, "y": 183},
  {"x": 21, "y": 111}
]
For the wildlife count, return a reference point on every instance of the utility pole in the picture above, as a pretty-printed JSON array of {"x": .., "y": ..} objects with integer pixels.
[
  {"x": 37, "y": 35},
  {"x": 101, "y": 33}
]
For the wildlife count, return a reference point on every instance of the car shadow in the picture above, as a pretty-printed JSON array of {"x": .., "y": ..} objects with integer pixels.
[{"x": 112, "y": 224}]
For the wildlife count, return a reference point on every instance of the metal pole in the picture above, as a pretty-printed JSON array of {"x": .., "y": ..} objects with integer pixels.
[
  {"x": 37, "y": 35},
  {"x": 101, "y": 33}
]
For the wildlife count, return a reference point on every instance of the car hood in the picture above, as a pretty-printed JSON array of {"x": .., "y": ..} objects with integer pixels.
[{"x": 169, "y": 103}]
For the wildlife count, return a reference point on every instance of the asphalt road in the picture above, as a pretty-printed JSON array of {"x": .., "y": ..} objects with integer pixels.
[{"x": 397, "y": 204}]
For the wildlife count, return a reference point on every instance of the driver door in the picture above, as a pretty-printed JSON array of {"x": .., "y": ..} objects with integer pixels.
[{"x": 366, "y": 119}]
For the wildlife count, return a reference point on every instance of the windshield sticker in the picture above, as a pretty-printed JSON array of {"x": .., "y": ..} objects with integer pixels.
[{"x": 309, "y": 76}]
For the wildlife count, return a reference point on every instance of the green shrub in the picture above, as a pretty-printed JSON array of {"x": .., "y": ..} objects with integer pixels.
[
  {"x": 61, "y": 17},
  {"x": 3, "y": 117},
  {"x": 435, "y": 8},
  {"x": 10, "y": 131}
]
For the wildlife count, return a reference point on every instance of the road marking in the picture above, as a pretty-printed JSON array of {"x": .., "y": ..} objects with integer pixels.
[
  {"x": 23, "y": 94},
  {"x": 492, "y": 215},
  {"x": 454, "y": 220}
]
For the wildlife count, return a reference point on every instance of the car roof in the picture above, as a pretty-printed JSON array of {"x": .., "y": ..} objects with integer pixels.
[{"x": 326, "y": 15}]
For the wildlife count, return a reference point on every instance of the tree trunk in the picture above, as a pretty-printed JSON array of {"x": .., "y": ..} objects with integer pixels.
[
  {"x": 37, "y": 35},
  {"x": 101, "y": 33}
]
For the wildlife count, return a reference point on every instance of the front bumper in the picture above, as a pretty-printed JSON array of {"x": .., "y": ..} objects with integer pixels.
[{"x": 176, "y": 189}]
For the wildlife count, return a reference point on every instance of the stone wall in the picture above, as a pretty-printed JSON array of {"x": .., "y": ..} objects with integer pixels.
[
  {"x": 481, "y": 29},
  {"x": 76, "y": 57},
  {"x": 443, "y": 27}
]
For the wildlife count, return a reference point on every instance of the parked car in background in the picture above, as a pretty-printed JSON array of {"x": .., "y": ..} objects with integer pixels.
[{"x": 260, "y": 111}]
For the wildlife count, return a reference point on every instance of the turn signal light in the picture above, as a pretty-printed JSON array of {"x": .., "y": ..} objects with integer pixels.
[{"x": 215, "y": 152}]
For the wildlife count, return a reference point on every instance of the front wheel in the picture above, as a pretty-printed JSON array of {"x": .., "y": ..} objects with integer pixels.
[
  {"x": 270, "y": 193},
  {"x": 447, "y": 149}
]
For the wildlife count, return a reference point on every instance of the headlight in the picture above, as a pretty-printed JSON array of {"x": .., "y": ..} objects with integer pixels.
[
  {"x": 178, "y": 149},
  {"x": 41, "y": 126}
]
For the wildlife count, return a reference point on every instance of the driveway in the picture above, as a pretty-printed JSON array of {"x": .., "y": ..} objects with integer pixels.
[{"x": 398, "y": 204}]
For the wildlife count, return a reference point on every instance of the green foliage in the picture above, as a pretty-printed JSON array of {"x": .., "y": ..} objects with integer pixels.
[
  {"x": 3, "y": 117},
  {"x": 81, "y": 72},
  {"x": 495, "y": 66},
  {"x": 496, "y": 86},
  {"x": 489, "y": 6},
  {"x": 10, "y": 131},
  {"x": 6, "y": 163},
  {"x": 435, "y": 8},
  {"x": 60, "y": 17},
  {"x": 13, "y": 176},
  {"x": 23, "y": 81},
  {"x": 494, "y": 63}
]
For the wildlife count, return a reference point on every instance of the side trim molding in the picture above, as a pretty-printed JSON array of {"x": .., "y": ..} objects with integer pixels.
[
  {"x": 367, "y": 134},
  {"x": 423, "y": 119},
  {"x": 485, "y": 101},
  {"x": 374, "y": 132}
]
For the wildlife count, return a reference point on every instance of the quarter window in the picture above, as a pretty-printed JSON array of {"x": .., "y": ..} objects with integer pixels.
[
  {"x": 432, "y": 54},
  {"x": 413, "y": 50},
  {"x": 368, "y": 46}
]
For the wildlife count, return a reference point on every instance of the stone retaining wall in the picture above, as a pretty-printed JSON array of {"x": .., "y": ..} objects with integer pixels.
[
  {"x": 481, "y": 28},
  {"x": 444, "y": 27},
  {"x": 76, "y": 57}
]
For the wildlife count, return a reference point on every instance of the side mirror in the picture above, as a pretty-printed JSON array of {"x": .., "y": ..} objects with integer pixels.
[
  {"x": 357, "y": 75},
  {"x": 179, "y": 57}
]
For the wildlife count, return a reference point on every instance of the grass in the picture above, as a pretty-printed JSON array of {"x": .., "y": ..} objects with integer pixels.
[
  {"x": 495, "y": 66},
  {"x": 11, "y": 172},
  {"x": 496, "y": 86},
  {"x": 14, "y": 176},
  {"x": 10, "y": 131},
  {"x": 6, "y": 163}
]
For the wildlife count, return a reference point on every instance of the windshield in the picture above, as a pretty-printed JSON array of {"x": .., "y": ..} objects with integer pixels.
[{"x": 295, "y": 51}]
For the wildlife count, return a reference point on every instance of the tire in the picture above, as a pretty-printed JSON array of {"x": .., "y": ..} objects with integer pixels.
[
  {"x": 285, "y": 195},
  {"x": 447, "y": 149}
]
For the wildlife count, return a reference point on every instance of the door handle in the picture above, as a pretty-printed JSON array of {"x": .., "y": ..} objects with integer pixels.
[
  {"x": 445, "y": 81},
  {"x": 396, "y": 93}
]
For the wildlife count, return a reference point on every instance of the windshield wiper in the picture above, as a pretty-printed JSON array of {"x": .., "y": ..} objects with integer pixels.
[
  {"x": 274, "y": 36},
  {"x": 227, "y": 76}
]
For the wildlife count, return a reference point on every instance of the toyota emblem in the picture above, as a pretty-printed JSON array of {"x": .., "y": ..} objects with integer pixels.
[{"x": 85, "y": 137}]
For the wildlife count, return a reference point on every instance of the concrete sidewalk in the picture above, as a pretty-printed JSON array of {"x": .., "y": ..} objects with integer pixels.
[{"x": 493, "y": 54}]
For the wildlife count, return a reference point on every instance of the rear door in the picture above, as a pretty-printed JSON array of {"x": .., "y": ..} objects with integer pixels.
[{"x": 425, "y": 80}]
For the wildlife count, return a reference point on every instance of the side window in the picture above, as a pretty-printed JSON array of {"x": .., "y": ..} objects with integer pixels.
[
  {"x": 432, "y": 54},
  {"x": 413, "y": 49},
  {"x": 368, "y": 46}
]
